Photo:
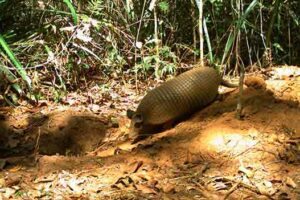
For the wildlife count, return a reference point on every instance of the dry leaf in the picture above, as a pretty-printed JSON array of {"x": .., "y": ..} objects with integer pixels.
[
  {"x": 290, "y": 182},
  {"x": 168, "y": 188},
  {"x": 2, "y": 182},
  {"x": 12, "y": 180},
  {"x": 9, "y": 192},
  {"x": 137, "y": 166},
  {"x": 146, "y": 189},
  {"x": 247, "y": 172},
  {"x": 268, "y": 184},
  {"x": 15, "y": 169},
  {"x": 74, "y": 184}
]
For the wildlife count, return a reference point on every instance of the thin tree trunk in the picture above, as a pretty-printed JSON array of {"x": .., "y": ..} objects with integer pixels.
[
  {"x": 200, "y": 23},
  {"x": 239, "y": 65},
  {"x": 135, "y": 45},
  {"x": 270, "y": 28},
  {"x": 156, "y": 43},
  {"x": 194, "y": 31}
]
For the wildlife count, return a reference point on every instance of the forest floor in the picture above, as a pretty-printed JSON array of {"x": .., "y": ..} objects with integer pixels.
[{"x": 78, "y": 149}]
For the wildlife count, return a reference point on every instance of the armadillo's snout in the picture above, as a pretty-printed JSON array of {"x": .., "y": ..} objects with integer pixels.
[{"x": 136, "y": 123}]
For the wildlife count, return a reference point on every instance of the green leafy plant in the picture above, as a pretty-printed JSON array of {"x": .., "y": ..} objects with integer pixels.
[
  {"x": 72, "y": 10},
  {"x": 164, "y": 6},
  {"x": 115, "y": 36},
  {"x": 163, "y": 63},
  {"x": 238, "y": 25},
  {"x": 21, "y": 71}
]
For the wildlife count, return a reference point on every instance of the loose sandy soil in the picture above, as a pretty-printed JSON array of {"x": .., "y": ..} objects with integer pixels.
[{"x": 67, "y": 152}]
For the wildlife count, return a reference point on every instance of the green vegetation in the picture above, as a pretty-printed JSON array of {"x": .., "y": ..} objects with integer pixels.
[{"x": 56, "y": 46}]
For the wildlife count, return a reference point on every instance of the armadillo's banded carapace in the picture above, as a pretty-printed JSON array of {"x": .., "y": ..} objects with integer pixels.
[{"x": 184, "y": 94}]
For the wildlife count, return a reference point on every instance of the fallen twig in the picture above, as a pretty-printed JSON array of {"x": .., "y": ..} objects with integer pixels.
[{"x": 249, "y": 187}]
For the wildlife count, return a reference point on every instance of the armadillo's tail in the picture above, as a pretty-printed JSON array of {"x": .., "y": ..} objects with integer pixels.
[{"x": 228, "y": 84}]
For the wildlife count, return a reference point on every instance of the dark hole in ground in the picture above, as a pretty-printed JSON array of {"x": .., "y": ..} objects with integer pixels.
[{"x": 64, "y": 133}]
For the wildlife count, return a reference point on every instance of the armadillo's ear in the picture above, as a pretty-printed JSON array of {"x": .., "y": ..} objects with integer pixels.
[
  {"x": 137, "y": 118},
  {"x": 130, "y": 113}
]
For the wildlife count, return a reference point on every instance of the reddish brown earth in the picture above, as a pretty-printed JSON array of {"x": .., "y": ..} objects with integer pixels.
[{"x": 75, "y": 152}]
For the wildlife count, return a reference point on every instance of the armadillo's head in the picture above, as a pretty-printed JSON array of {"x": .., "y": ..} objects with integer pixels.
[
  {"x": 140, "y": 130},
  {"x": 136, "y": 122}
]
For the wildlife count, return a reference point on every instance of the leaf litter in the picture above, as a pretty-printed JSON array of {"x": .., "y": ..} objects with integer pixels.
[{"x": 76, "y": 149}]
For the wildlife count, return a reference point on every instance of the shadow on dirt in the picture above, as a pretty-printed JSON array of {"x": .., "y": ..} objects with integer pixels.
[
  {"x": 3, "y": 134},
  {"x": 64, "y": 133}
]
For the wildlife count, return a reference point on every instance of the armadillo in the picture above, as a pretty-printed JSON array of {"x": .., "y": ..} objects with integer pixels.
[{"x": 182, "y": 95}]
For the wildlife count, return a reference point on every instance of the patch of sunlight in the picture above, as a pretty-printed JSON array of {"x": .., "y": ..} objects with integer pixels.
[
  {"x": 286, "y": 71},
  {"x": 230, "y": 142}
]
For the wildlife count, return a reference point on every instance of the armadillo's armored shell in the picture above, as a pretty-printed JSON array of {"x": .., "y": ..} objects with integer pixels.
[{"x": 184, "y": 94}]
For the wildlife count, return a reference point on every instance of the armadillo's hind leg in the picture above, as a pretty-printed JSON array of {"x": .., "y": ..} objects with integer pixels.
[{"x": 220, "y": 97}]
